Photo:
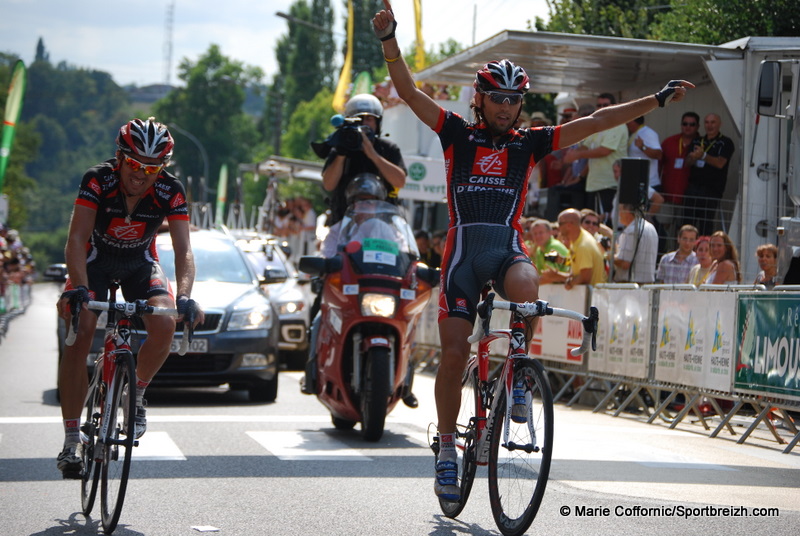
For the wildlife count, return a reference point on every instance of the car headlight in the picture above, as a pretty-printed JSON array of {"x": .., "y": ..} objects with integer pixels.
[
  {"x": 374, "y": 304},
  {"x": 252, "y": 312},
  {"x": 291, "y": 307},
  {"x": 252, "y": 319}
]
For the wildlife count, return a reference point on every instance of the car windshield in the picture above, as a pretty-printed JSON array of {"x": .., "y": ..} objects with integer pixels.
[{"x": 216, "y": 260}]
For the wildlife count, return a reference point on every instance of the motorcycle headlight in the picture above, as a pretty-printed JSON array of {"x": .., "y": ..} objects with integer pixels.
[{"x": 374, "y": 304}]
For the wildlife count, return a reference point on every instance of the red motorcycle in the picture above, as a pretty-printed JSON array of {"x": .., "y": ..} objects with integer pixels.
[{"x": 373, "y": 293}]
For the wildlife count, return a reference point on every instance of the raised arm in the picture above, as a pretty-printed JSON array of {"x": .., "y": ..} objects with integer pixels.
[
  {"x": 421, "y": 104},
  {"x": 611, "y": 116}
]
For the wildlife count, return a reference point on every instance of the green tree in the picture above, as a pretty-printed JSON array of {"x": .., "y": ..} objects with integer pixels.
[
  {"x": 310, "y": 122},
  {"x": 618, "y": 18},
  {"x": 727, "y": 20},
  {"x": 367, "y": 55},
  {"x": 305, "y": 58},
  {"x": 209, "y": 107}
]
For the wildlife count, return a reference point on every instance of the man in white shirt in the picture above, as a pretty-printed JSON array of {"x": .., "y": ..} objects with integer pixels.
[
  {"x": 637, "y": 250},
  {"x": 644, "y": 143}
]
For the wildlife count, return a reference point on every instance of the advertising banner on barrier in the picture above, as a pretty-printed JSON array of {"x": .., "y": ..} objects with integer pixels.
[
  {"x": 768, "y": 358},
  {"x": 625, "y": 339},
  {"x": 556, "y": 336},
  {"x": 695, "y": 338}
]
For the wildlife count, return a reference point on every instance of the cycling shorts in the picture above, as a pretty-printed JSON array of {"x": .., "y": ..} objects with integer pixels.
[
  {"x": 139, "y": 278},
  {"x": 474, "y": 255}
]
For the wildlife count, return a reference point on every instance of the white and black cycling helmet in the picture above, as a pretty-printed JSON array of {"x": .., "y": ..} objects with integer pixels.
[
  {"x": 364, "y": 186},
  {"x": 149, "y": 138},
  {"x": 502, "y": 75}
]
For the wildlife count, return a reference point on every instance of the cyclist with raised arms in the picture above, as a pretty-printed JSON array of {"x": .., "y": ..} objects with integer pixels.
[
  {"x": 121, "y": 204},
  {"x": 487, "y": 163}
]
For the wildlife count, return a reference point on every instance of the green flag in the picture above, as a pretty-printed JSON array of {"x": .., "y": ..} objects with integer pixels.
[
  {"x": 222, "y": 195},
  {"x": 13, "y": 108}
]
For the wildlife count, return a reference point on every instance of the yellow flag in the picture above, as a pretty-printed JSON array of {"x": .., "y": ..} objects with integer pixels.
[
  {"x": 419, "y": 56},
  {"x": 340, "y": 95}
]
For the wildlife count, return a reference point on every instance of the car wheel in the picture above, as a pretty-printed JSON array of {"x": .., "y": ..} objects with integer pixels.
[{"x": 264, "y": 391}]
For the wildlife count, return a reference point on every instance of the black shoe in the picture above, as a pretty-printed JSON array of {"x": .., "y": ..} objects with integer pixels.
[
  {"x": 70, "y": 463},
  {"x": 305, "y": 387},
  {"x": 411, "y": 401}
]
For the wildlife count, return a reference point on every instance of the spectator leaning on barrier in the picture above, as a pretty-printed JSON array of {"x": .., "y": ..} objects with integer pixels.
[
  {"x": 767, "y": 260},
  {"x": 550, "y": 256},
  {"x": 675, "y": 266},
  {"x": 726, "y": 260},
  {"x": 586, "y": 259},
  {"x": 637, "y": 249},
  {"x": 699, "y": 272}
]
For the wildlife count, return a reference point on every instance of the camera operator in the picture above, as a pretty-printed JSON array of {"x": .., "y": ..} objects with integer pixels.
[{"x": 373, "y": 154}]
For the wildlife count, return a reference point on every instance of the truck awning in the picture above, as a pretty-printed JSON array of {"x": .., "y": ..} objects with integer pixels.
[{"x": 578, "y": 64}]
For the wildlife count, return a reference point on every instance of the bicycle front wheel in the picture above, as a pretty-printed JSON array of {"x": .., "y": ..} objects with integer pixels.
[
  {"x": 91, "y": 471},
  {"x": 520, "y": 452},
  {"x": 118, "y": 446},
  {"x": 466, "y": 436}
]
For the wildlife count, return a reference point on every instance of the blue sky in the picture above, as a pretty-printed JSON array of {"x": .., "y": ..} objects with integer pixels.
[{"x": 127, "y": 39}]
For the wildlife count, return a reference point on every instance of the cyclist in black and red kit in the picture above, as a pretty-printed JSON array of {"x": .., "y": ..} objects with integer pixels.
[
  {"x": 487, "y": 163},
  {"x": 120, "y": 206}
]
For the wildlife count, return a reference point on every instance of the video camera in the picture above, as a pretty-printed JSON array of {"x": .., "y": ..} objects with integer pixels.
[{"x": 346, "y": 138}]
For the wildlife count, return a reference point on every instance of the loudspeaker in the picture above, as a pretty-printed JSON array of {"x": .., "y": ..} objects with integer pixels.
[{"x": 633, "y": 181}]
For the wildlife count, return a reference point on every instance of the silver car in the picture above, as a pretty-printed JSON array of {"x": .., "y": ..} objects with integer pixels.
[{"x": 289, "y": 290}]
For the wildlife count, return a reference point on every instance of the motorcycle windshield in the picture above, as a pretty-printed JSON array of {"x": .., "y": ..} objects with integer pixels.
[{"x": 378, "y": 239}]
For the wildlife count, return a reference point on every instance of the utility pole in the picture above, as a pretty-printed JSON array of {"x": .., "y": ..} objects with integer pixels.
[{"x": 168, "y": 43}]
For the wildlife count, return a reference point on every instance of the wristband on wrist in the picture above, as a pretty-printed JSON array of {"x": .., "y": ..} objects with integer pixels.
[{"x": 392, "y": 60}]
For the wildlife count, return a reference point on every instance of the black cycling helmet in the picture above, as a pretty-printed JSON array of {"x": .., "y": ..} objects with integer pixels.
[
  {"x": 501, "y": 75},
  {"x": 146, "y": 138},
  {"x": 364, "y": 186}
]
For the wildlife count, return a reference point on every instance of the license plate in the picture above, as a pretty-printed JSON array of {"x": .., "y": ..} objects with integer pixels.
[{"x": 197, "y": 346}]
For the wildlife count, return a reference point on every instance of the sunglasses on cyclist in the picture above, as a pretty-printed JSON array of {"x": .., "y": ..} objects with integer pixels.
[
  {"x": 499, "y": 97},
  {"x": 149, "y": 169}
]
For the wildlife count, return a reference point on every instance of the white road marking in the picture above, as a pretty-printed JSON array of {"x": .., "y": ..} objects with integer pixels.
[
  {"x": 306, "y": 446},
  {"x": 157, "y": 446}
]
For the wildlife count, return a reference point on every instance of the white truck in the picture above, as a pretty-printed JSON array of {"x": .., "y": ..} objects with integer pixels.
[{"x": 759, "y": 110}]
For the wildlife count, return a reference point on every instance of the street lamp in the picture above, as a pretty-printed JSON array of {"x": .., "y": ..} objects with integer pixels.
[{"x": 199, "y": 145}]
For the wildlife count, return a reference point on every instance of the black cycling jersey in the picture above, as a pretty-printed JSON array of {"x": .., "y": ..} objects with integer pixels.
[
  {"x": 128, "y": 235},
  {"x": 487, "y": 182},
  {"x": 122, "y": 245}
]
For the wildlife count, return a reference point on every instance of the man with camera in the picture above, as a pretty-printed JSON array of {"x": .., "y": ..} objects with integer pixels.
[{"x": 358, "y": 148}]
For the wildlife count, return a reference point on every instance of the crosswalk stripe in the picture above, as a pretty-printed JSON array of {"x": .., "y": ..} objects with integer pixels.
[
  {"x": 158, "y": 446},
  {"x": 306, "y": 446}
]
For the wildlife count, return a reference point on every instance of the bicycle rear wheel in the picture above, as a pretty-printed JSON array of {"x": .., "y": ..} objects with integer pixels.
[
  {"x": 465, "y": 441},
  {"x": 118, "y": 446},
  {"x": 91, "y": 472},
  {"x": 519, "y": 455}
]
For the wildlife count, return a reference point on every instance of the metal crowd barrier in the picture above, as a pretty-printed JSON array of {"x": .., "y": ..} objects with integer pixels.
[{"x": 722, "y": 348}]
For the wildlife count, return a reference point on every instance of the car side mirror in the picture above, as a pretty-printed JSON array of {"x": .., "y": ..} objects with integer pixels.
[{"x": 271, "y": 275}]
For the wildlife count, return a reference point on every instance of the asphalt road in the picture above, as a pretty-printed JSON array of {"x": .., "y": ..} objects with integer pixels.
[{"x": 214, "y": 463}]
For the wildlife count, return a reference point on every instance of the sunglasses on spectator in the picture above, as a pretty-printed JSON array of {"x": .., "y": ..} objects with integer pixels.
[
  {"x": 689, "y": 124},
  {"x": 590, "y": 222},
  {"x": 499, "y": 97},
  {"x": 149, "y": 169}
]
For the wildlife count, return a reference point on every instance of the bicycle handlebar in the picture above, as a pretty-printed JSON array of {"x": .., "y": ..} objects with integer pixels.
[
  {"x": 540, "y": 308},
  {"x": 129, "y": 309}
]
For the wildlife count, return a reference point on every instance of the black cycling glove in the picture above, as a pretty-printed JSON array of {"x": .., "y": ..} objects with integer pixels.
[
  {"x": 77, "y": 296},
  {"x": 187, "y": 307},
  {"x": 666, "y": 94}
]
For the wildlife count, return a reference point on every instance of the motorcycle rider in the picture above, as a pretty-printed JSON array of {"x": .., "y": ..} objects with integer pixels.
[{"x": 363, "y": 188}]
